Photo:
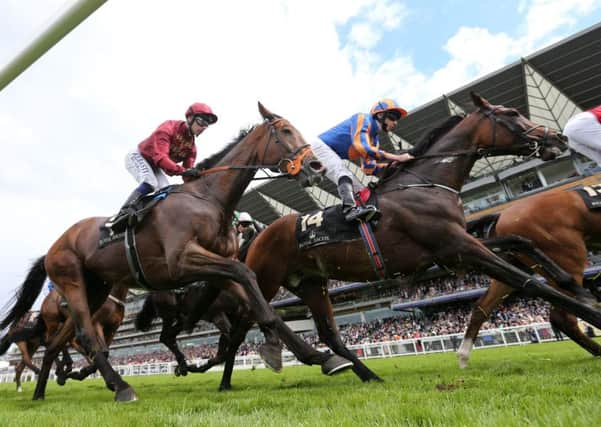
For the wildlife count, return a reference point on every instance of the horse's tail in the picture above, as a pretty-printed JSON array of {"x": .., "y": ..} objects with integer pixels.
[
  {"x": 5, "y": 343},
  {"x": 26, "y": 296},
  {"x": 146, "y": 315}
]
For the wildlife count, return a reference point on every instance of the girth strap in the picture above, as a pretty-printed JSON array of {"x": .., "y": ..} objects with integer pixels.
[
  {"x": 133, "y": 260},
  {"x": 373, "y": 250}
]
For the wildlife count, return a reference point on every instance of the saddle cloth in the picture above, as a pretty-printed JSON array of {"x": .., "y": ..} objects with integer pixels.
[
  {"x": 110, "y": 234},
  {"x": 591, "y": 195},
  {"x": 327, "y": 226}
]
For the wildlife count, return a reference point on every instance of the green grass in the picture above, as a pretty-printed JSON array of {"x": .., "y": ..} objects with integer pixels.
[{"x": 554, "y": 384}]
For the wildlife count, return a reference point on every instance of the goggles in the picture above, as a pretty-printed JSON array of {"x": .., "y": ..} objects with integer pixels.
[{"x": 200, "y": 121}]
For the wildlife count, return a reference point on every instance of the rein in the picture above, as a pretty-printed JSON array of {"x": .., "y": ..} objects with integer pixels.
[
  {"x": 534, "y": 143},
  {"x": 289, "y": 165}
]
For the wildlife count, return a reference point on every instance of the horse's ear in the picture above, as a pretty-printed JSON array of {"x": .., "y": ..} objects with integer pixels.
[
  {"x": 265, "y": 113},
  {"x": 478, "y": 100}
]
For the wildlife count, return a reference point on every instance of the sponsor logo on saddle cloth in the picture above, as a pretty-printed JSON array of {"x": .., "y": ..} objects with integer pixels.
[
  {"x": 591, "y": 195},
  {"x": 327, "y": 226}
]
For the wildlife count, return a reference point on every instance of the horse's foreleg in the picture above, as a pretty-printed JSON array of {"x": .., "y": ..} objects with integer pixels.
[
  {"x": 57, "y": 342},
  {"x": 480, "y": 314},
  {"x": 27, "y": 358},
  {"x": 320, "y": 305},
  {"x": 197, "y": 263},
  {"x": 568, "y": 324},
  {"x": 18, "y": 371}
]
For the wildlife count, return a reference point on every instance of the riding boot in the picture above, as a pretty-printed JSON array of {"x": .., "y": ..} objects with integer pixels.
[
  {"x": 350, "y": 209},
  {"x": 128, "y": 207}
]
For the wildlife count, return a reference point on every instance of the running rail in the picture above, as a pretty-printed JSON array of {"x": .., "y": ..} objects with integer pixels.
[{"x": 74, "y": 16}]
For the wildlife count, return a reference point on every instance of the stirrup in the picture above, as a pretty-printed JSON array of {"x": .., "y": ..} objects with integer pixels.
[{"x": 363, "y": 213}]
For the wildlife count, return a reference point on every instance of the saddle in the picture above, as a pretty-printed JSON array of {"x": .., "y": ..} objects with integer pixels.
[
  {"x": 114, "y": 228},
  {"x": 328, "y": 226}
]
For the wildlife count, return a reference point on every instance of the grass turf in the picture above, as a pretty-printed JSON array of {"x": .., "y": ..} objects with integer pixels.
[{"x": 553, "y": 384}]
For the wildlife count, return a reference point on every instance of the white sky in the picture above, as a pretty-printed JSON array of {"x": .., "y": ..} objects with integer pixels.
[{"x": 68, "y": 121}]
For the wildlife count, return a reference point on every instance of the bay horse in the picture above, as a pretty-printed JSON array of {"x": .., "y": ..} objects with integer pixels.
[
  {"x": 185, "y": 238},
  {"x": 558, "y": 223},
  {"x": 422, "y": 223},
  {"x": 27, "y": 345},
  {"x": 50, "y": 320}
]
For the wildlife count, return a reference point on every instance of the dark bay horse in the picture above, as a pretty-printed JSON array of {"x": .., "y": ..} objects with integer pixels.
[
  {"x": 422, "y": 223},
  {"x": 174, "y": 309},
  {"x": 559, "y": 224},
  {"x": 184, "y": 239}
]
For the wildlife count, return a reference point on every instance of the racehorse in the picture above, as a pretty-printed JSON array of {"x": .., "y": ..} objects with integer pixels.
[
  {"x": 51, "y": 318},
  {"x": 174, "y": 308},
  {"x": 559, "y": 224},
  {"x": 422, "y": 223},
  {"x": 185, "y": 238},
  {"x": 27, "y": 346}
]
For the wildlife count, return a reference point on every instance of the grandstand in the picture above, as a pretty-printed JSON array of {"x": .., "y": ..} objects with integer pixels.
[{"x": 548, "y": 86}]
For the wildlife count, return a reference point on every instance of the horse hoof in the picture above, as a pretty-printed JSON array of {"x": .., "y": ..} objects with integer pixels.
[
  {"x": 126, "y": 395},
  {"x": 38, "y": 397},
  {"x": 61, "y": 380},
  {"x": 374, "y": 379},
  {"x": 223, "y": 387},
  {"x": 335, "y": 364},
  {"x": 19, "y": 390},
  {"x": 272, "y": 356}
]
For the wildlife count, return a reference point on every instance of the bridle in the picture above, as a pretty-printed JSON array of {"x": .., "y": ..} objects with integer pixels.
[
  {"x": 289, "y": 165},
  {"x": 534, "y": 143}
]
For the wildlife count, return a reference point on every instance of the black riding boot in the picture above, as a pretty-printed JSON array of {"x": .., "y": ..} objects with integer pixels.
[
  {"x": 350, "y": 210},
  {"x": 127, "y": 208}
]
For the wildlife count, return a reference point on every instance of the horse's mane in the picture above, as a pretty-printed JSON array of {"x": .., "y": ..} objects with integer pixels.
[
  {"x": 426, "y": 141},
  {"x": 430, "y": 137},
  {"x": 211, "y": 161}
]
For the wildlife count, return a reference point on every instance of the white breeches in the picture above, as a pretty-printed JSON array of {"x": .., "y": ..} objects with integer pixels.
[
  {"x": 335, "y": 167},
  {"x": 584, "y": 135},
  {"x": 141, "y": 170}
]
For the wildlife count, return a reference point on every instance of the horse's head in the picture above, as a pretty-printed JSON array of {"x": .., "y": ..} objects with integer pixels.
[
  {"x": 506, "y": 131},
  {"x": 287, "y": 150}
]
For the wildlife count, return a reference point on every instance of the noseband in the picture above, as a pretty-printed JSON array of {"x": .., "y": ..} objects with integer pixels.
[{"x": 292, "y": 163}]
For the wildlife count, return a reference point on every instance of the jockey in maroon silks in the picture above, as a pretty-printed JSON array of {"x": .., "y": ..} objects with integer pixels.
[{"x": 162, "y": 152}]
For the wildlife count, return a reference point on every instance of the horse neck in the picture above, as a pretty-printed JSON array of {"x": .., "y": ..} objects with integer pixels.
[
  {"x": 227, "y": 187},
  {"x": 450, "y": 171}
]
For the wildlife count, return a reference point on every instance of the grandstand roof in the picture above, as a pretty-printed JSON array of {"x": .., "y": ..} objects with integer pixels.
[{"x": 548, "y": 86}]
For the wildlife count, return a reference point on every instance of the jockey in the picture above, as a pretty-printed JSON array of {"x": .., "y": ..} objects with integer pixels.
[
  {"x": 356, "y": 138},
  {"x": 171, "y": 143},
  {"x": 246, "y": 233},
  {"x": 584, "y": 133}
]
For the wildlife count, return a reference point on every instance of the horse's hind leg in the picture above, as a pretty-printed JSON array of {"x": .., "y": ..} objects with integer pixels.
[
  {"x": 568, "y": 324},
  {"x": 18, "y": 371},
  {"x": 480, "y": 314},
  {"x": 68, "y": 276},
  {"x": 315, "y": 294}
]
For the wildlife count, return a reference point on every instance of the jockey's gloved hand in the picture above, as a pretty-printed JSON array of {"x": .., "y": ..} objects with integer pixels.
[{"x": 191, "y": 173}]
